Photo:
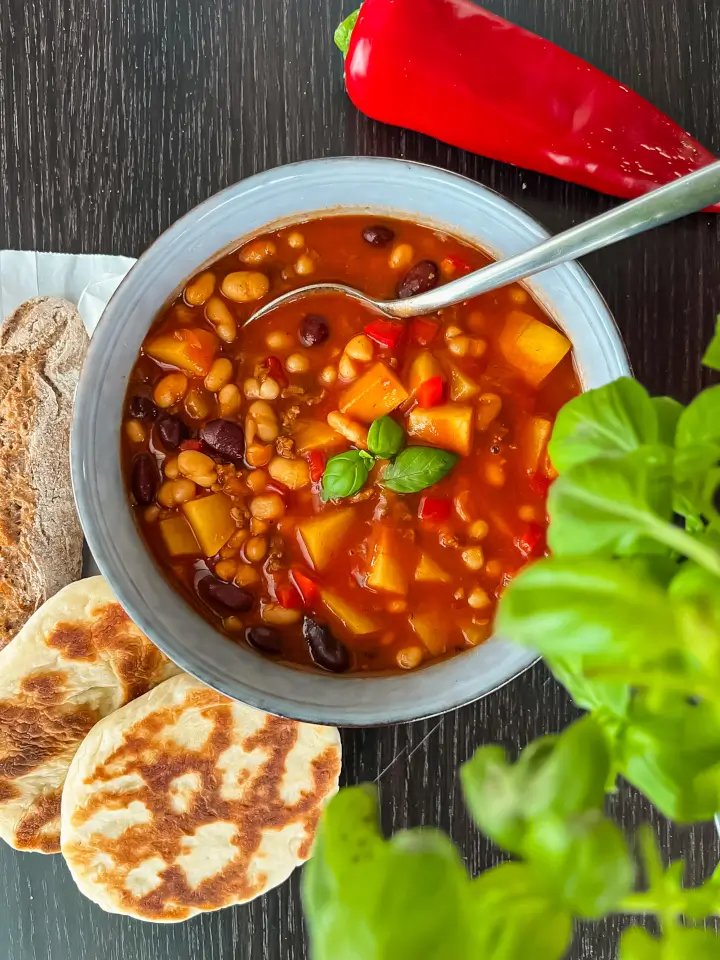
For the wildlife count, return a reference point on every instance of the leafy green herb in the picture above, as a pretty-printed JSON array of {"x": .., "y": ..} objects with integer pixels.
[
  {"x": 344, "y": 31},
  {"x": 345, "y": 474},
  {"x": 417, "y": 468},
  {"x": 385, "y": 438},
  {"x": 712, "y": 354}
]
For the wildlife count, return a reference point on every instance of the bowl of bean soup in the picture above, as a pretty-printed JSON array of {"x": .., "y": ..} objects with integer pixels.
[{"x": 317, "y": 513}]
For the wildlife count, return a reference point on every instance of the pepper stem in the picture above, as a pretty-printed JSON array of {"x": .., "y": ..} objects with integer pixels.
[{"x": 344, "y": 32}]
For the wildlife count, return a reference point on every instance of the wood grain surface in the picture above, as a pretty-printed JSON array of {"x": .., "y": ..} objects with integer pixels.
[{"x": 117, "y": 116}]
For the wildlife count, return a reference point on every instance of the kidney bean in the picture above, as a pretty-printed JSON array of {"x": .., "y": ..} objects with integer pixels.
[
  {"x": 266, "y": 639},
  {"x": 224, "y": 437},
  {"x": 314, "y": 330},
  {"x": 325, "y": 648},
  {"x": 142, "y": 408},
  {"x": 419, "y": 279},
  {"x": 172, "y": 431},
  {"x": 377, "y": 235},
  {"x": 224, "y": 597},
  {"x": 144, "y": 478}
]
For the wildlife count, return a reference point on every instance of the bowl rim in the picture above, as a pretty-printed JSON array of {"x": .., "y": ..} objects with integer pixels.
[{"x": 84, "y": 473}]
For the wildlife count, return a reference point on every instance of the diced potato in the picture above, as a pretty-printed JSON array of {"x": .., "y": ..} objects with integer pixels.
[
  {"x": 462, "y": 386},
  {"x": 386, "y": 570},
  {"x": 531, "y": 346},
  {"x": 316, "y": 435},
  {"x": 428, "y": 571},
  {"x": 424, "y": 367},
  {"x": 534, "y": 441},
  {"x": 477, "y": 633},
  {"x": 323, "y": 536},
  {"x": 374, "y": 394},
  {"x": 431, "y": 630},
  {"x": 178, "y": 536},
  {"x": 190, "y": 350},
  {"x": 449, "y": 426},
  {"x": 354, "y": 620},
  {"x": 211, "y": 521}
]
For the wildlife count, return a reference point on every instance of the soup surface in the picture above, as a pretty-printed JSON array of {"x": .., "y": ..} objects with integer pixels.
[{"x": 334, "y": 489}]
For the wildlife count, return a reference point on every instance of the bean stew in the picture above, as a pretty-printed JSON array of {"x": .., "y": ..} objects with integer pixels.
[{"x": 337, "y": 490}]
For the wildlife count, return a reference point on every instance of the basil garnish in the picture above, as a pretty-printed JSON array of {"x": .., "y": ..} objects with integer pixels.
[
  {"x": 385, "y": 438},
  {"x": 417, "y": 468},
  {"x": 345, "y": 474}
]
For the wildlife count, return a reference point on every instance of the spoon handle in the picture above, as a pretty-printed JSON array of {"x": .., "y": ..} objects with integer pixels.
[{"x": 686, "y": 195}]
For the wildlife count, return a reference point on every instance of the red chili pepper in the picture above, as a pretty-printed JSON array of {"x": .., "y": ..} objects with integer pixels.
[
  {"x": 414, "y": 63},
  {"x": 307, "y": 588},
  {"x": 276, "y": 370},
  {"x": 316, "y": 464},
  {"x": 540, "y": 484},
  {"x": 192, "y": 445},
  {"x": 430, "y": 392},
  {"x": 531, "y": 541},
  {"x": 435, "y": 509},
  {"x": 385, "y": 333},
  {"x": 458, "y": 264},
  {"x": 289, "y": 597},
  {"x": 423, "y": 331}
]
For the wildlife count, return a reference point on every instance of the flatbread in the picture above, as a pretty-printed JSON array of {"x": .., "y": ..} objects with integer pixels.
[
  {"x": 77, "y": 659},
  {"x": 186, "y": 801}
]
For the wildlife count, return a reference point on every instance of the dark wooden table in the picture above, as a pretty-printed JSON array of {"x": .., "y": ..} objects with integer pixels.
[{"x": 117, "y": 116}]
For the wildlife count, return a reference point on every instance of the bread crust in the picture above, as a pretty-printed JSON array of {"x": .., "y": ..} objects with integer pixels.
[{"x": 42, "y": 347}]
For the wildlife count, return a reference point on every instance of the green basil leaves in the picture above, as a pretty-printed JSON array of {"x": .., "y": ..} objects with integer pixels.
[
  {"x": 386, "y": 438},
  {"x": 411, "y": 470},
  {"x": 345, "y": 474},
  {"x": 417, "y": 468}
]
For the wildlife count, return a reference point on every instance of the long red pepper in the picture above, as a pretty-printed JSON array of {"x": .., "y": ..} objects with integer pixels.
[{"x": 455, "y": 71}]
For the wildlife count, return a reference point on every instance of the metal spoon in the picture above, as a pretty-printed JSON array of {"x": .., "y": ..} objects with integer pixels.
[{"x": 686, "y": 195}]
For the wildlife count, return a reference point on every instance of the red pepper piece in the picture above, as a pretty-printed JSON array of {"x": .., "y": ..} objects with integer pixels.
[
  {"x": 276, "y": 370},
  {"x": 385, "y": 333},
  {"x": 434, "y": 509},
  {"x": 540, "y": 484},
  {"x": 423, "y": 331},
  {"x": 414, "y": 63},
  {"x": 458, "y": 264},
  {"x": 531, "y": 541},
  {"x": 430, "y": 392},
  {"x": 316, "y": 464},
  {"x": 307, "y": 588},
  {"x": 289, "y": 597},
  {"x": 192, "y": 445}
]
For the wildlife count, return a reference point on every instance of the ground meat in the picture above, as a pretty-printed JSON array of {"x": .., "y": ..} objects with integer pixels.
[
  {"x": 293, "y": 390},
  {"x": 365, "y": 494},
  {"x": 285, "y": 447},
  {"x": 277, "y": 552},
  {"x": 290, "y": 416},
  {"x": 311, "y": 401}
]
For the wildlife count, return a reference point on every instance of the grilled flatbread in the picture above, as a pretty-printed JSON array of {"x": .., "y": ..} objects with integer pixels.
[
  {"x": 77, "y": 659},
  {"x": 185, "y": 801},
  {"x": 42, "y": 347}
]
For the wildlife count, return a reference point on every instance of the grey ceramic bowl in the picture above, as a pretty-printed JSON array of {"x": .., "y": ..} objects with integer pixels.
[{"x": 344, "y": 185}]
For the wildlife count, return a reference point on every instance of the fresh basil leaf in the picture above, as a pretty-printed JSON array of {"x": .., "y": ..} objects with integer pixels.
[
  {"x": 700, "y": 421},
  {"x": 614, "y": 419},
  {"x": 712, "y": 354},
  {"x": 343, "y": 32},
  {"x": 638, "y": 944},
  {"x": 670, "y": 750},
  {"x": 679, "y": 943},
  {"x": 370, "y": 899},
  {"x": 345, "y": 474},
  {"x": 614, "y": 505},
  {"x": 601, "y": 610},
  {"x": 516, "y": 909},
  {"x": 668, "y": 412},
  {"x": 417, "y": 468},
  {"x": 385, "y": 438}
]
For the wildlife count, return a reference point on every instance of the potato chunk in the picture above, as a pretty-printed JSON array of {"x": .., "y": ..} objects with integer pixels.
[
  {"x": 374, "y": 394},
  {"x": 178, "y": 537},
  {"x": 449, "y": 426},
  {"x": 462, "y": 386},
  {"x": 531, "y": 346},
  {"x": 427, "y": 571},
  {"x": 211, "y": 521},
  {"x": 354, "y": 620},
  {"x": 386, "y": 570},
  {"x": 316, "y": 435},
  {"x": 323, "y": 536},
  {"x": 534, "y": 441},
  {"x": 430, "y": 628},
  {"x": 424, "y": 367},
  {"x": 188, "y": 349}
]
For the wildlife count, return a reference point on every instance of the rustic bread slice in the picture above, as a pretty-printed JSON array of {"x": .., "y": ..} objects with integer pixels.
[{"x": 42, "y": 347}]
